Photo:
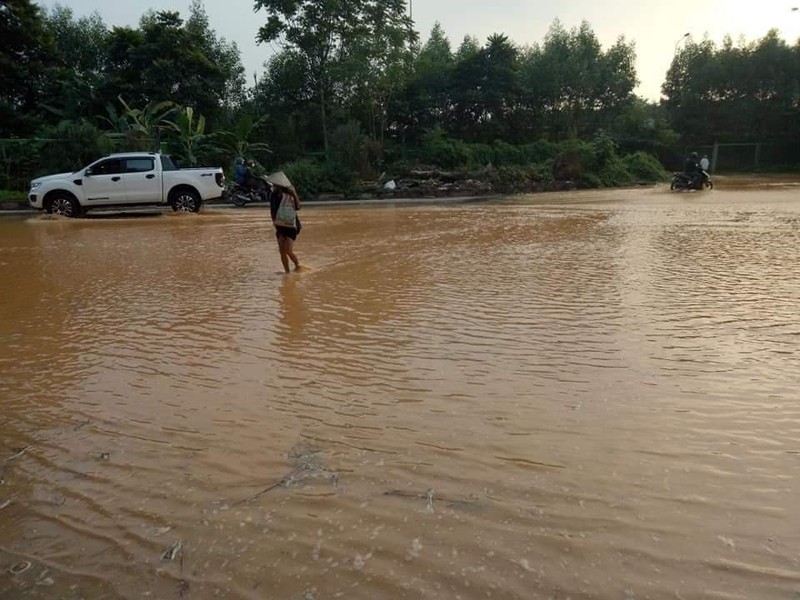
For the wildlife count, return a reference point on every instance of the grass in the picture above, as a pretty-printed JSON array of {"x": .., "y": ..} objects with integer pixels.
[{"x": 12, "y": 196}]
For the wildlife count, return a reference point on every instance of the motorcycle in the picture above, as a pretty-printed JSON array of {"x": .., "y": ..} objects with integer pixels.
[
  {"x": 240, "y": 195},
  {"x": 682, "y": 181}
]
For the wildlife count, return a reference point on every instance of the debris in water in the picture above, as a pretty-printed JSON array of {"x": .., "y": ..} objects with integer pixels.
[
  {"x": 727, "y": 541},
  {"x": 359, "y": 561},
  {"x": 175, "y": 551},
  {"x": 413, "y": 552},
  {"x": 428, "y": 497},
  {"x": 284, "y": 481},
  {"x": 19, "y": 567},
  {"x": 5, "y": 504},
  {"x": 20, "y": 452},
  {"x": 105, "y": 455}
]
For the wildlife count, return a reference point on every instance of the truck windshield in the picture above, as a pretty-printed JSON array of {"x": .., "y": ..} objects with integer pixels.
[{"x": 167, "y": 163}]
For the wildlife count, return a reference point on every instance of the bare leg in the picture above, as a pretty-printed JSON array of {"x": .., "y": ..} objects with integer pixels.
[
  {"x": 282, "y": 249},
  {"x": 289, "y": 249}
]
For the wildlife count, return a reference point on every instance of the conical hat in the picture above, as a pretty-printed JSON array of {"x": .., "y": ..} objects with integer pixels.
[{"x": 279, "y": 178}]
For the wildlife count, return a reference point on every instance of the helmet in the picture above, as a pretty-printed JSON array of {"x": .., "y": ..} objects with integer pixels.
[
  {"x": 239, "y": 160},
  {"x": 694, "y": 155}
]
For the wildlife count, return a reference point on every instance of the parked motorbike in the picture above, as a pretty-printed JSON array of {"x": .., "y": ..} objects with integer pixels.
[
  {"x": 682, "y": 181},
  {"x": 241, "y": 195}
]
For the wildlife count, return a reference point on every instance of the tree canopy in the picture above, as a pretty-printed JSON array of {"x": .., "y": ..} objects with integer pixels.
[{"x": 352, "y": 86}]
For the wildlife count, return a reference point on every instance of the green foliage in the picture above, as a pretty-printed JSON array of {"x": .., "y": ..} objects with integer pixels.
[
  {"x": 238, "y": 141},
  {"x": 12, "y": 196},
  {"x": 645, "y": 167},
  {"x": 353, "y": 85},
  {"x": 145, "y": 125},
  {"x": 190, "y": 133},
  {"x": 168, "y": 59},
  {"x": 70, "y": 145},
  {"x": 361, "y": 46},
  {"x": 442, "y": 151},
  {"x": 749, "y": 92},
  {"x": 312, "y": 177},
  {"x": 26, "y": 53},
  {"x": 574, "y": 159},
  {"x": 538, "y": 151},
  {"x": 349, "y": 151},
  {"x": 614, "y": 173},
  {"x": 506, "y": 154}
]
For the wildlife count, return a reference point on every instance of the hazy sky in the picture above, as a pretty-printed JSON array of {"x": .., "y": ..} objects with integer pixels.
[{"x": 655, "y": 26}]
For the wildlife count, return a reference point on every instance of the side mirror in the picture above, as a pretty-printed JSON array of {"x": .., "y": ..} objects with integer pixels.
[{"x": 88, "y": 173}]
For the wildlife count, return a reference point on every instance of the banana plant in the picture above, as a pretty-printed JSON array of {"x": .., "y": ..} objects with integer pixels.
[
  {"x": 236, "y": 141},
  {"x": 191, "y": 133},
  {"x": 149, "y": 122}
]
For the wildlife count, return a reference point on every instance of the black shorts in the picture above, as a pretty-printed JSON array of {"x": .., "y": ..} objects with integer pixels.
[{"x": 289, "y": 232}]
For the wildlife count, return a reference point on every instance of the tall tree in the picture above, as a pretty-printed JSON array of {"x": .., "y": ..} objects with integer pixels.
[
  {"x": 78, "y": 63},
  {"x": 381, "y": 59},
  {"x": 425, "y": 102},
  {"x": 329, "y": 33},
  {"x": 735, "y": 93},
  {"x": 583, "y": 87},
  {"x": 25, "y": 55},
  {"x": 167, "y": 59}
]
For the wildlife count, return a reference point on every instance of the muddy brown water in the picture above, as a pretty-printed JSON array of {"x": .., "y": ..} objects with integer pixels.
[{"x": 584, "y": 395}]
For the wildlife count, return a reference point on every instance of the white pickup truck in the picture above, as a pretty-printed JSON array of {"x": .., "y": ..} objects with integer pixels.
[{"x": 123, "y": 180}]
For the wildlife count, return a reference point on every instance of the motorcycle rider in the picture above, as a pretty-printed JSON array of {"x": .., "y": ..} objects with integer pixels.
[
  {"x": 692, "y": 169},
  {"x": 246, "y": 176},
  {"x": 240, "y": 172}
]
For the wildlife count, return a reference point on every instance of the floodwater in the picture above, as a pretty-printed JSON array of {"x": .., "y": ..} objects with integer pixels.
[{"x": 582, "y": 395}]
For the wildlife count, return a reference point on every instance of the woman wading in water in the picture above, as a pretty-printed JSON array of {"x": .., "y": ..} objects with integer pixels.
[{"x": 283, "y": 206}]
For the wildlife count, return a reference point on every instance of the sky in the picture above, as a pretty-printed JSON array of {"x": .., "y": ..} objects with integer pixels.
[{"x": 657, "y": 27}]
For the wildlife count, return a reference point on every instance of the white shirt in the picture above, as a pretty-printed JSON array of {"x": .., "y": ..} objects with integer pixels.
[{"x": 704, "y": 164}]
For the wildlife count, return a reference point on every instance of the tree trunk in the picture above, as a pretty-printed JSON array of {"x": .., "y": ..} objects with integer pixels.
[{"x": 324, "y": 118}]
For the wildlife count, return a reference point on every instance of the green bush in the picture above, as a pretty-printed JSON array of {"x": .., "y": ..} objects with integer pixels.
[
  {"x": 12, "y": 196},
  {"x": 508, "y": 180},
  {"x": 605, "y": 149},
  {"x": 480, "y": 154},
  {"x": 506, "y": 155},
  {"x": 614, "y": 173},
  {"x": 312, "y": 177},
  {"x": 645, "y": 167},
  {"x": 539, "y": 151},
  {"x": 515, "y": 179},
  {"x": 307, "y": 176},
  {"x": 573, "y": 160},
  {"x": 442, "y": 151}
]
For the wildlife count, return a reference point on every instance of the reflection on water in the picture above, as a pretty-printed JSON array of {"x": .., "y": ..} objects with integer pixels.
[{"x": 586, "y": 395}]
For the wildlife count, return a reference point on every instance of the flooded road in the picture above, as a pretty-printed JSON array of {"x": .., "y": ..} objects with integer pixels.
[{"x": 584, "y": 395}]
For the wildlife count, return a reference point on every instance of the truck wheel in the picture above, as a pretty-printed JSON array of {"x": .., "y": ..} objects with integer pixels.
[
  {"x": 185, "y": 200},
  {"x": 63, "y": 204}
]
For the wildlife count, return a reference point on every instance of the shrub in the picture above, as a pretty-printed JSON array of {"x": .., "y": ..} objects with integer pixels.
[
  {"x": 307, "y": 176},
  {"x": 480, "y": 154},
  {"x": 539, "y": 151},
  {"x": 574, "y": 159},
  {"x": 605, "y": 149},
  {"x": 645, "y": 167},
  {"x": 505, "y": 154},
  {"x": 615, "y": 173},
  {"x": 440, "y": 150},
  {"x": 312, "y": 177}
]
